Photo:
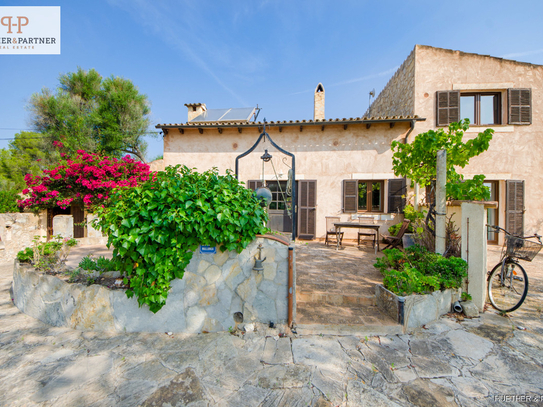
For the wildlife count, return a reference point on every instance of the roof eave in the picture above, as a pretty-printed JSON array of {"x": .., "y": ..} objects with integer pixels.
[{"x": 371, "y": 120}]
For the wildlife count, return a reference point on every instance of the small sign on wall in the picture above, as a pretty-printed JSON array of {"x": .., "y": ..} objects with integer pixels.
[{"x": 208, "y": 249}]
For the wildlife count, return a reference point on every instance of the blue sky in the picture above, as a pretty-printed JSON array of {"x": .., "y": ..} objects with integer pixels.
[{"x": 271, "y": 53}]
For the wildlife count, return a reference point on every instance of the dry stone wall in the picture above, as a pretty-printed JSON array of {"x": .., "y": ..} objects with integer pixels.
[
  {"x": 17, "y": 231},
  {"x": 213, "y": 289},
  {"x": 398, "y": 96}
]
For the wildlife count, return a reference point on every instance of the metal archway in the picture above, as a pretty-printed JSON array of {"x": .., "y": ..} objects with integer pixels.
[{"x": 262, "y": 137}]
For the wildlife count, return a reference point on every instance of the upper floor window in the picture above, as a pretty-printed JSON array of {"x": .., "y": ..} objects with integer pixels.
[{"x": 481, "y": 108}]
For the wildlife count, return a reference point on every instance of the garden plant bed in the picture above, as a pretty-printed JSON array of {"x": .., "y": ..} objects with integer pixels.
[
  {"x": 416, "y": 310},
  {"x": 114, "y": 282}
]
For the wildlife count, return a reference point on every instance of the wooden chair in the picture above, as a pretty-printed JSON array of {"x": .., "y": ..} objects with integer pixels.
[
  {"x": 371, "y": 233},
  {"x": 331, "y": 230},
  {"x": 394, "y": 241}
]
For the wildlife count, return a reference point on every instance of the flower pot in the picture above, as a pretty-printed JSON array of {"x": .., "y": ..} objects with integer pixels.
[{"x": 408, "y": 239}]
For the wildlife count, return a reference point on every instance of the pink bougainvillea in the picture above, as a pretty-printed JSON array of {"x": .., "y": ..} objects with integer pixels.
[{"x": 86, "y": 179}]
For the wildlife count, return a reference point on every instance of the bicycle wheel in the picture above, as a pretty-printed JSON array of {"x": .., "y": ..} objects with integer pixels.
[{"x": 507, "y": 294}]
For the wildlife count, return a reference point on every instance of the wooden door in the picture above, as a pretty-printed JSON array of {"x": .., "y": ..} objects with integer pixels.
[
  {"x": 307, "y": 209},
  {"x": 79, "y": 221}
]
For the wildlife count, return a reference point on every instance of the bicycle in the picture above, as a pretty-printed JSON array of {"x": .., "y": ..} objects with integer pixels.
[{"x": 508, "y": 281}]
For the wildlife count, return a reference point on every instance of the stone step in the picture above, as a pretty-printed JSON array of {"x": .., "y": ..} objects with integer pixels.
[
  {"x": 335, "y": 299},
  {"x": 352, "y": 329},
  {"x": 321, "y": 314}
]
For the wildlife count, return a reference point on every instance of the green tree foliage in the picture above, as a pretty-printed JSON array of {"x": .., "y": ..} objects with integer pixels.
[
  {"x": 417, "y": 160},
  {"x": 89, "y": 113},
  {"x": 28, "y": 153},
  {"x": 8, "y": 201},
  {"x": 156, "y": 226}
]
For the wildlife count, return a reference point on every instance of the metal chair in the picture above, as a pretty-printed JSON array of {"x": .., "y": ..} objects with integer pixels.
[
  {"x": 331, "y": 230},
  {"x": 371, "y": 233}
]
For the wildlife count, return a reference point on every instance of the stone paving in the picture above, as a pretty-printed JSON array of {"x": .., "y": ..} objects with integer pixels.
[
  {"x": 488, "y": 361},
  {"x": 337, "y": 287}
]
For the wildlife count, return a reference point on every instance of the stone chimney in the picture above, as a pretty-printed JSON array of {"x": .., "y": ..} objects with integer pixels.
[
  {"x": 195, "y": 109},
  {"x": 318, "y": 112}
]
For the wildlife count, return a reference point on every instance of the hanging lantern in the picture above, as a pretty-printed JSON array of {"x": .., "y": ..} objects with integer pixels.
[{"x": 264, "y": 195}]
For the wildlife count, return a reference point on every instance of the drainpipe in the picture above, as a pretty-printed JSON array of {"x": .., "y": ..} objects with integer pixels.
[
  {"x": 411, "y": 128},
  {"x": 290, "y": 286}
]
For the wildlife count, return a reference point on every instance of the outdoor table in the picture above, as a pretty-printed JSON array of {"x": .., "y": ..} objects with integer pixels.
[{"x": 357, "y": 225}]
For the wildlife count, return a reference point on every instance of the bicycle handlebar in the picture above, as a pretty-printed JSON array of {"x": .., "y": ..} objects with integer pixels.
[{"x": 497, "y": 229}]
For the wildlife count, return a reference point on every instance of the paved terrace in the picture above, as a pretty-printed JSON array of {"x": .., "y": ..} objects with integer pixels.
[{"x": 489, "y": 361}]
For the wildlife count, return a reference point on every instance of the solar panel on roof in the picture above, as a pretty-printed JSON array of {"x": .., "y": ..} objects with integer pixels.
[{"x": 242, "y": 114}]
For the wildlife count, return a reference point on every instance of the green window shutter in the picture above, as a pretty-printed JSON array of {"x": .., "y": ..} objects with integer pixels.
[
  {"x": 514, "y": 207},
  {"x": 448, "y": 107},
  {"x": 397, "y": 190},
  {"x": 350, "y": 196},
  {"x": 519, "y": 102}
]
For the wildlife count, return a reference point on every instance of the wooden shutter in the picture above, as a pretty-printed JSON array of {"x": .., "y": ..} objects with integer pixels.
[
  {"x": 307, "y": 208},
  {"x": 254, "y": 184},
  {"x": 448, "y": 107},
  {"x": 396, "y": 195},
  {"x": 350, "y": 196},
  {"x": 520, "y": 106},
  {"x": 514, "y": 207}
]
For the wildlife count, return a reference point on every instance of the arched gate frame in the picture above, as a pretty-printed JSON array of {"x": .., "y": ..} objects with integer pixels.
[{"x": 262, "y": 137}]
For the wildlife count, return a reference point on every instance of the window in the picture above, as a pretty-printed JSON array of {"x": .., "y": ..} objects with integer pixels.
[
  {"x": 279, "y": 195},
  {"x": 370, "y": 196},
  {"x": 481, "y": 108}
]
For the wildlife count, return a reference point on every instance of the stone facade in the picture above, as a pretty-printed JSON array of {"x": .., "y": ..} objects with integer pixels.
[
  {"x": 515, "y": 151},
  {"x": 359, "y": 149},
  {"x": 17, "y": 230},
  {"x": 398, "y": 96},
  {"x": 213, "y": 289},
  {"x": 328, "y": 153}
]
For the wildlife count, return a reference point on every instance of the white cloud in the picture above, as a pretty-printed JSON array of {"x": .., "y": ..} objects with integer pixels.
[{"x": 522, "y": 54}]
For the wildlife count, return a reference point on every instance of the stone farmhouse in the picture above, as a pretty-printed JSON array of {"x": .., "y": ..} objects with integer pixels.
[{"x": 344, "y": 165}]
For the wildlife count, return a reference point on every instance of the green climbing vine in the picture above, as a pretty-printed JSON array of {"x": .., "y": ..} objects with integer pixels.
[
  {"x": 156, "y": 226},
  {"x": 417, "y": 160}
]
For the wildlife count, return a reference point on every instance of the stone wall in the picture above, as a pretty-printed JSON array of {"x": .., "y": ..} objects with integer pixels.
[
  {"x": 213, "y": 289},
  {"x": 17, "y": 231},
  {"x": 398, "y": 96}
]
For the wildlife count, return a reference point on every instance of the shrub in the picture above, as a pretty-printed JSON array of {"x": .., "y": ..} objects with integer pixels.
[
  {"x": 413, "y": 215},
  {"x": 425, "y": 238},
  {"x": 86, "y": 179},
  {"x": 101, "y": 264},
  {"x": 47, "y": 256},
  {"x": 416, "y": 270},
  {"x": 156, "y": 226}
]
